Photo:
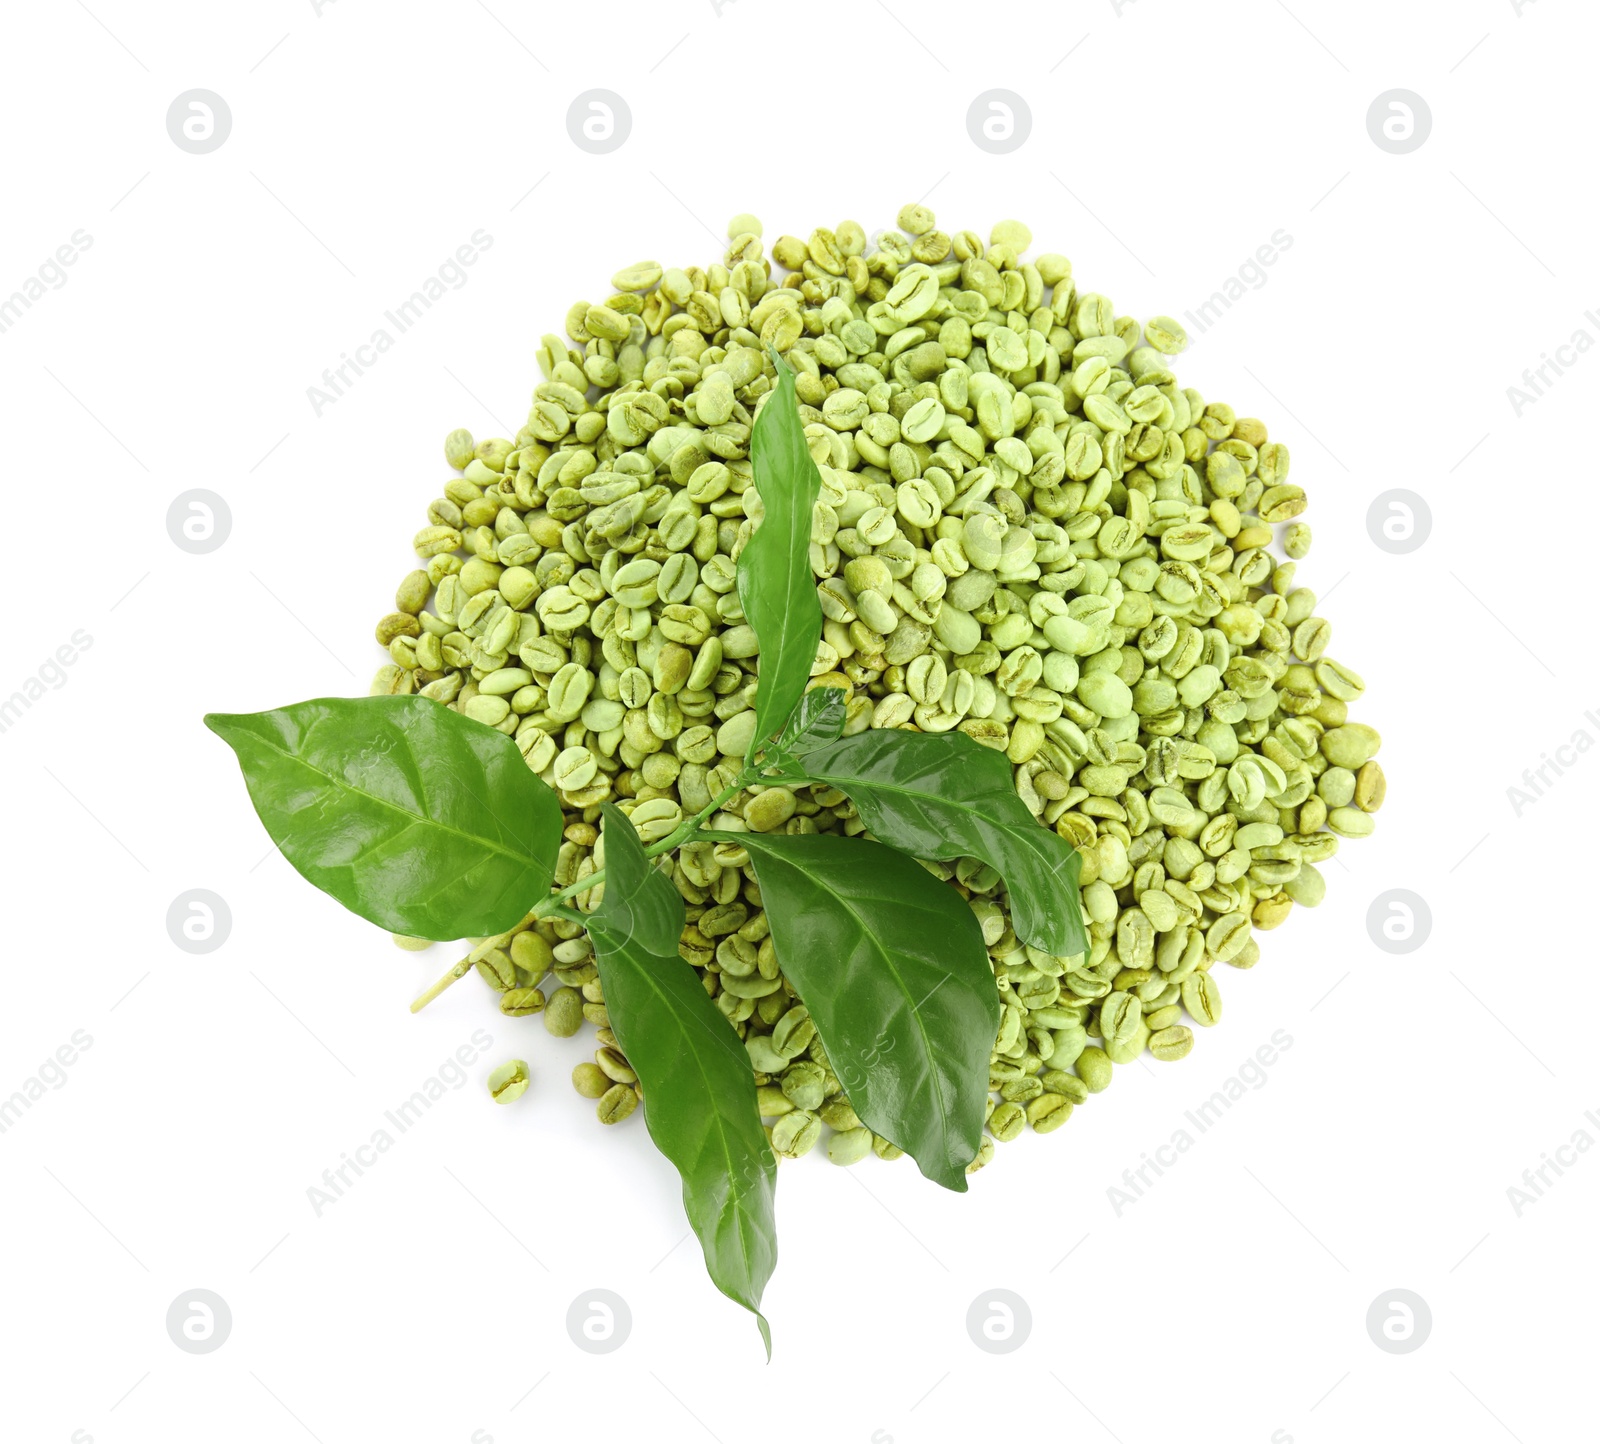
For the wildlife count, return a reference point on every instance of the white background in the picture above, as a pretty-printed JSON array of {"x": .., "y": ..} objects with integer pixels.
[{"x": 1229, "y": 1302}]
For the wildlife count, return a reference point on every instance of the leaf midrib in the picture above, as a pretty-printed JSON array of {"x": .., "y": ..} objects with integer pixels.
[
  {"x": 868, "y": 936},
  {"x": 742, "y": 1222},
  {"x": 797, "y": 578},
  {"x": 1032, "y": 838},
  {"x": 412, "y": 818},
  {"x": 632, "y": 870},
  {"x": 1033, "y": 843}
]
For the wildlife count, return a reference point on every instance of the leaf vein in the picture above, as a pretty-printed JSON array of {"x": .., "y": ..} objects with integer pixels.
[{"x": 342, "y": 787}]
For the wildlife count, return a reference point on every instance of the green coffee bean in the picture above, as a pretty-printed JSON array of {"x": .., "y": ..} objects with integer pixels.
[
  {"x": 771, "y": 1102},
  {"x": 1172, "y": 1043},
  {"x": 509, "y": 1081},
  {"x": 1128, "y": 1045},
  {"x": 1307, "y": 886},
  {"x": 1048, "y": 1112},
  {"x": 804, "y": 1086},
  {"x": 519, "y": 1002},
  {"x": 531, "y": 954},
  {"x": 850, "y": 1146},
  {"x": 611, "y": 1062},
  {"x": 1166, "y": 335},
  {"x": 1007, "y": 1121},
  {"x": 1094, "y": 1068},
  {"x": 764, "y": 1058},
  {"x": 770, "y": 809},
  {"x": 563, "y": 1012},
  {"x": 459, "y": 449},
  {"x": 1026, "y": 531},
  {"x": 1351, "y": 822},
  {"x": 1350, "y": 746},
  {"x": 616, "y": 1103},
  {"x": 1120, "y": 1019},
  {"x": 1202, "y": 999},
  {"x": 497, "y": 970},
  {"x": 1068, "y": 1085},
  {"x": 838, "y": 1114},
  {"x": 796, "y": 1133},
  {"x": 1371, "y": 787}
]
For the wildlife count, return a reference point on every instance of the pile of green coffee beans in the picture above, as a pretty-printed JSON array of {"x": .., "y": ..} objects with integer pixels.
[{"x": 1028, "y": 531}]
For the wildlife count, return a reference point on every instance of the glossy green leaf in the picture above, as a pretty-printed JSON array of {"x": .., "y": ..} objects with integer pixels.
[
  {"x": 891, "y": 964},
  {"x": 699, "y": 1093},
  {"x": 638, "y": 900},
  {"x": 817, "y": 720},
  {"x": 942, "y": 795},
  {"x": 776, "y": 587},
  {"x": 417, "y": 818}
]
